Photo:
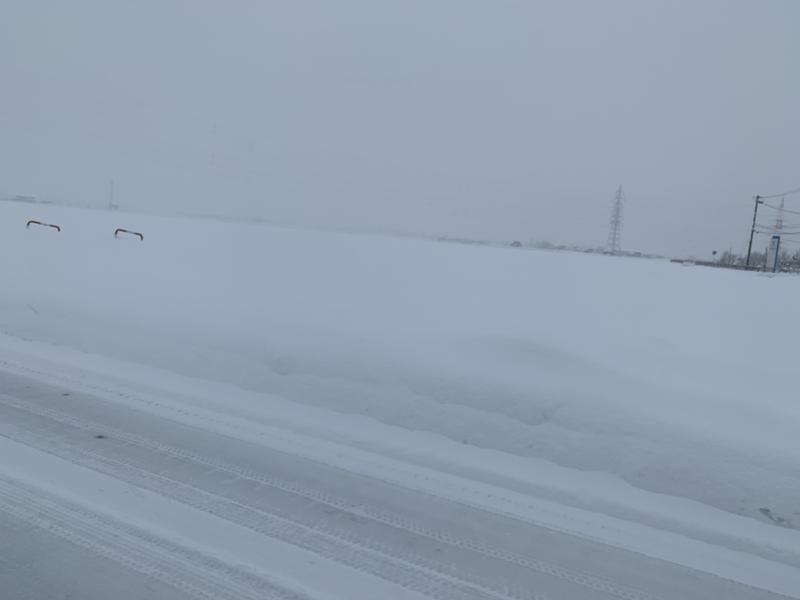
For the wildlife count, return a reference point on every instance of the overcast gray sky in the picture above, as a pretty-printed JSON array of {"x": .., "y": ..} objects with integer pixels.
[{"x": 493, "y": 118}]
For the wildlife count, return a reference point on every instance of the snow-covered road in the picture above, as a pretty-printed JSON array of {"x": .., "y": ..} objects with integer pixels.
[{"x": 180, "y": 505}]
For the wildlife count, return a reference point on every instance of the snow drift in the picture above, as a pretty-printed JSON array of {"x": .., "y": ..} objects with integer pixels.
[{"x": 661, "y": 378}]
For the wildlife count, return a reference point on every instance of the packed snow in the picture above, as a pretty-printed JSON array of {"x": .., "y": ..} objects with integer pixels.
[{"x": 642, "y": 403}]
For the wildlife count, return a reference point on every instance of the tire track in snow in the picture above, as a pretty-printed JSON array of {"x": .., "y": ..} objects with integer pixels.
[
  {"x": 388, "y": 470},
  {"x": 255, "y": 518},
  {"x": 370, "y": 557},
  {"x": 188, "y": 571}
]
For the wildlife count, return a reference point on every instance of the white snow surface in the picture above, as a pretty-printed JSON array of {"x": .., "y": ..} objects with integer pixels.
[{"x": 644, "y": 404}]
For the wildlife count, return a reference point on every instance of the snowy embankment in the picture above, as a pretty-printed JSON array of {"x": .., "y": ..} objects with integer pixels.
[{"x": 650, "y": 392}]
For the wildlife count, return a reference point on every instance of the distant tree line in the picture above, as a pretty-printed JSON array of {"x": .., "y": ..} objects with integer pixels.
[{"x": 788, "y": 261}]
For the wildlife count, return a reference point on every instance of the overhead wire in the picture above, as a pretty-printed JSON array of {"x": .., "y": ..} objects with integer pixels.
[
  {"x": 791, "y": 227},
  {"x": 786, "y": 210},
  {"x": 782, "y": 233},
  {"x": 784, "y": 227},
  {"x": 786, "y": 193}
]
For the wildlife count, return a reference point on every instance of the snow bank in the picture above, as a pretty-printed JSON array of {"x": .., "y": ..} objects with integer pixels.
[{"x": 674, "y": 379}]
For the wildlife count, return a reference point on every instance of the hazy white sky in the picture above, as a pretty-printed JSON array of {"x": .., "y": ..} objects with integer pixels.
[{"x": 494, "y": 118}]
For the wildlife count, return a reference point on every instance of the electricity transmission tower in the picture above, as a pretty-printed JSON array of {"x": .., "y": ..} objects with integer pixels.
[
  {"x": 779, "y": 220},
  {"x": 615, "y": 230}
]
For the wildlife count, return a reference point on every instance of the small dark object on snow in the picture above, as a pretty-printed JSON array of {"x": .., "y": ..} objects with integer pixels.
[
  {"x": 33, "y": 222},
  {"x": 777, "y": 519},
  {"x": 128, "y": 231}
]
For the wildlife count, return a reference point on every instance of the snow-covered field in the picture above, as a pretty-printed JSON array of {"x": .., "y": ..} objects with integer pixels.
[{"x": 465, "y": 421}]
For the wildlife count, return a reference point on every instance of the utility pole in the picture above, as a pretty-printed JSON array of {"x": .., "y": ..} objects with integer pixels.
[
  {"x": 615, "y": 230},
  {"x": 753, "y": 230}
]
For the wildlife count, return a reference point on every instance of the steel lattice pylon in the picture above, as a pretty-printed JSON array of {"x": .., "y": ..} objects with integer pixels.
[{"x": 615, "y": 229}]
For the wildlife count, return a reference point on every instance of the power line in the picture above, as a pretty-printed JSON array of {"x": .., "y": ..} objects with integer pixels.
[
  {"x": 768, "y": 226},
  {"x": 786, "y": 193},
  {"x": 761, "y": 228},
  {"x": 783, "y": 226},
  {"x": 788, "y": 228},
  {"x": 773, "y": 207},
  {"x": 759, "y": 200}
]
